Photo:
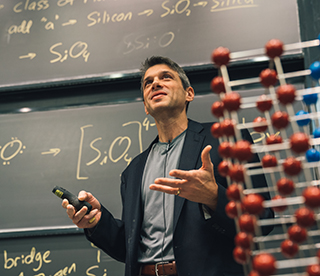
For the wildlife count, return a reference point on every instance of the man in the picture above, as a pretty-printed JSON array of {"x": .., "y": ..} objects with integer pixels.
[{"x": 173, "y": 220}]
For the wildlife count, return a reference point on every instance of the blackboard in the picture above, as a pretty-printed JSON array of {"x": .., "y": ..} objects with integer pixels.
[
  {"x": 55, "y": 255},
  {"x": 39, "y": 150},
  {"x": 77, "y": 148},
  {"x": 47, "y": 41},
  {"x": 80, "y": 148}
]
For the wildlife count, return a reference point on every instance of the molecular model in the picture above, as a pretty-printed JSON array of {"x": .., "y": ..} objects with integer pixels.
[{"x": 290, "y": 161}]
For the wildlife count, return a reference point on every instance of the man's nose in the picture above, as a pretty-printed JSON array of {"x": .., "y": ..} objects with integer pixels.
[{"x": 156, "y": 83}]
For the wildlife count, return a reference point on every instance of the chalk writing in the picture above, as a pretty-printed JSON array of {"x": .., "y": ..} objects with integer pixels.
[
  {"x": 103, "y": 156},
  {"x": 7, "y": 154},
  {"x": 139, "y": 42},
  {"x": 23, "y": 28},
  {"x": 29, "y": 55},
  {"x": 181, "y": 7},
  {"x": 78, "y": 49},
  {"x": 146, "y": 12},
  {"x": 49, "y": 262},
  {"x": 93, "y": 270},
  {"x": 223, "y": 5},
  {"x": 132, "y": 43},
  {"x": 104, "y": 17},
  {"x": 33, "y": 257},
  {"x": 28, "y": 5},
  {"x": 260, "y": 135},
  {"x": 62, "y": 3}
]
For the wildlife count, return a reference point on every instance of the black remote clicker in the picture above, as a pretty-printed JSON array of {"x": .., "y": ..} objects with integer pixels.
[{"x": 73, "y": 200}]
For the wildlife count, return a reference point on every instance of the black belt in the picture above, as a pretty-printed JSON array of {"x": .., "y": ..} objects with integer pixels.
[{"x": 159, "y": 269}]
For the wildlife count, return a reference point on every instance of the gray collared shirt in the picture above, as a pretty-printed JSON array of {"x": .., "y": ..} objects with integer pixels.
[{"x": 157, "y": 227}]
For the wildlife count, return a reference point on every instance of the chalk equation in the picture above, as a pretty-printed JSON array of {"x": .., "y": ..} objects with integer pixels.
[
  {"x": 135, "y": 42},
  {"x": 106, "y": 15},
  {"x": 15, "y": 147},
  {"x": 103, "y": 156},
  {"x": 10, "y": 150}
]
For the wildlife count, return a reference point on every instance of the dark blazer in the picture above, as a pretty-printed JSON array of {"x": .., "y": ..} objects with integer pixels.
[{"x": 201, "y": 247}]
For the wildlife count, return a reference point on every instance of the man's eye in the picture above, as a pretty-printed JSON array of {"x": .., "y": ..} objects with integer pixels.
[
  {"x": 147, "y": 83},
  {"x": 166, "y": 76}
]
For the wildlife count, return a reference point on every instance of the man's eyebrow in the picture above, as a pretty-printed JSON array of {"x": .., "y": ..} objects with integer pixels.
[
  {"x": 147, "y": 78},
  {"x": 161, "y": 73},
  {"x": 167, "y": 71}
]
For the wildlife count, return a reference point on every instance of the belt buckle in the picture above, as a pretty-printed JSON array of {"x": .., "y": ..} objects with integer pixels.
[{"x": 156, "y": 267}]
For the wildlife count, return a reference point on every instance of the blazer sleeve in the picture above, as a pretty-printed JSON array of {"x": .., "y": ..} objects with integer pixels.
[{"x": 109, "y": 234}]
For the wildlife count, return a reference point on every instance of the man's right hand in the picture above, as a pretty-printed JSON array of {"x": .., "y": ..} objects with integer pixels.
[{"x": 80, "y": 218}]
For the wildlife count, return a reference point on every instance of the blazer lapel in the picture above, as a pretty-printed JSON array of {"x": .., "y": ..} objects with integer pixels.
[{"x": 189, "y": 159}]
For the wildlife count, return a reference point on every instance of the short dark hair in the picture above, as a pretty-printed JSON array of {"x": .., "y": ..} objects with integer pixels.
[{"x": 155, "y": 60}]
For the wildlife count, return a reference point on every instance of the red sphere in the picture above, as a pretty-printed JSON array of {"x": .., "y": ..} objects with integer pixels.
[
  {"x": 227, "y": 126},
  {"x": 242, "y": 150},
  {"x": 274, "y": 139},
  {"x": 216, "y": 130},
  {"x": 254, "y": 273},
  {"x": 280, "y": 119},
  {"x": 297, "y": 234},
  {"x": 264, "y": 264},
  {"x": 233, "y": 192},
  {"x": 217, "y": 109},
  {"x": 217, "y": 85},
  {"x": 285, "y": 186},
  {"x": 253, "y": 204},
  {"x": 236, "y": 173},
  {"x": 279, "y": 208},
  {"x": 286, "y": 93},
  {"x": 274, "y": 48},
  {"x": 260, "y": 128},
  {"x": 221, "y": 56},
  {"x": 225, "y": 149},
  {"x": 269, "y": 161},
  {"x": 292, "y": 166},
  {"x": 240, "y": 255},
  {"x": 244, "y": 240},
  {"x": 223, "y": 168},
  {"x": 233, "y": 209},
  {"x": 299, "y": 142},
  {"x": 268, "y": 77},
  {"x": 305, "y": 217},
  {"x": 246, "y": 223},
  {"x": 312, "y": 197},
  {"x": 232, "y": 101},
  {"x": 289, "y": 249},
  {"x": 264, "y": 103},
  {"x": 313, "y": 270}
]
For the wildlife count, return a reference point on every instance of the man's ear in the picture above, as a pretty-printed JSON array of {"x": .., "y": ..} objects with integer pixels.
[{"x": 190, "y": 94}]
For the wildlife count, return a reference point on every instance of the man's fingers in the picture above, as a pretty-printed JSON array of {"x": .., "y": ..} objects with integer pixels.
[
  {"x": 65, "y": 203},
  {"x": 206, "y": 159},
  {"x": 70, "y": 211},
  {"x": 83, "y": 196},
  {"x": 172, "y": 182},
  {"x": 164, "y": 189}
]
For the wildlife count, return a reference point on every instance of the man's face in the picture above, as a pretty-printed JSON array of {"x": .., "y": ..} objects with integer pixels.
[{"x": 163, "y": 90}]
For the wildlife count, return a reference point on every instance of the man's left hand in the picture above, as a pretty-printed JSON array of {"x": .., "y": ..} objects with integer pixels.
[{"x": 195, "y": 185}]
